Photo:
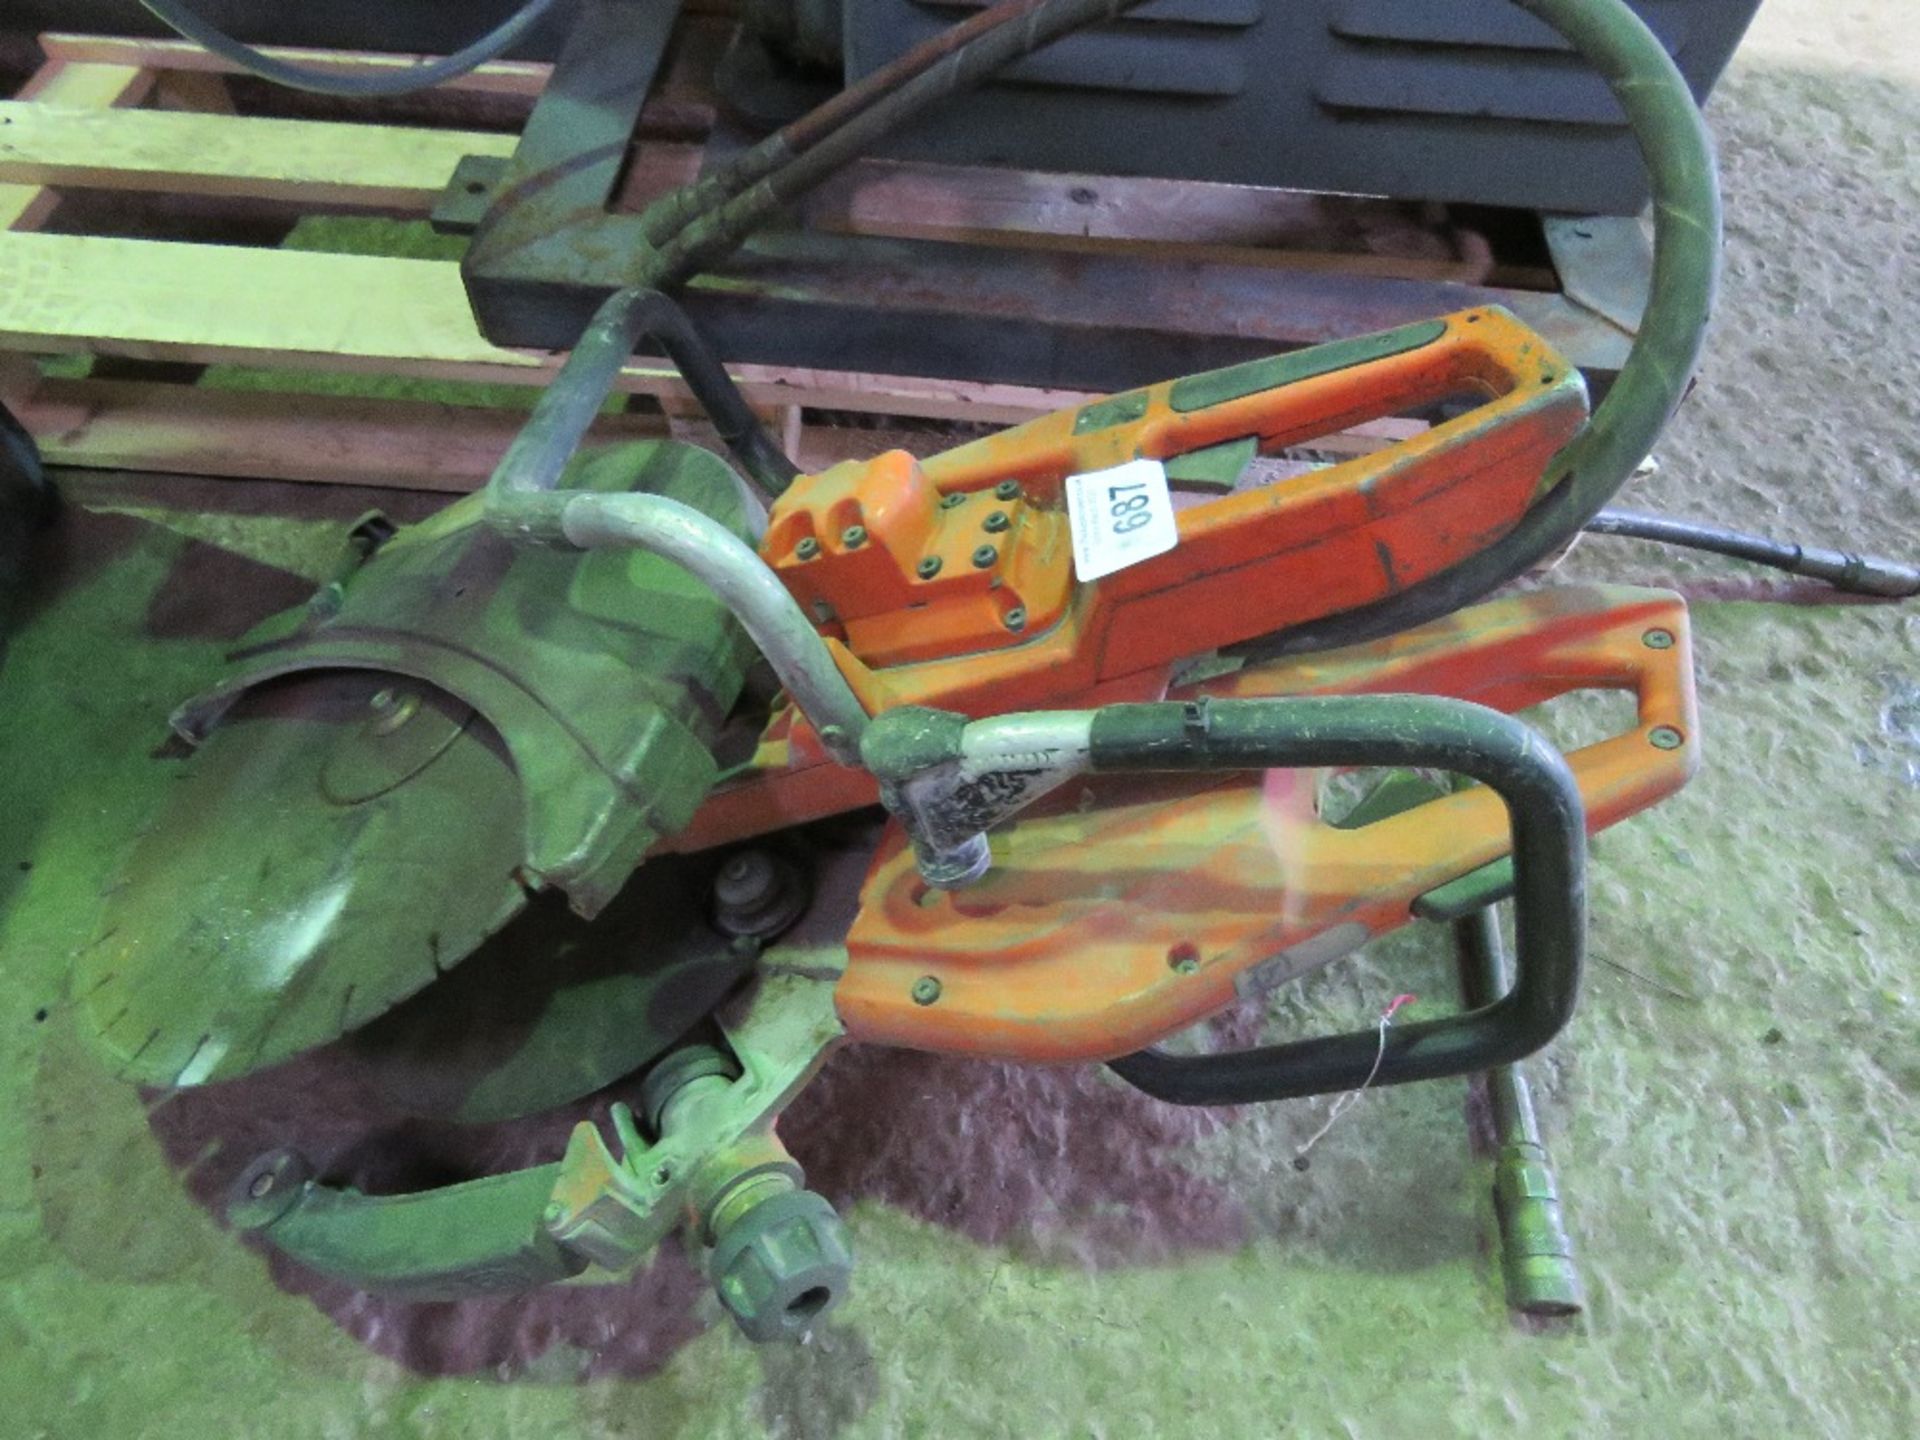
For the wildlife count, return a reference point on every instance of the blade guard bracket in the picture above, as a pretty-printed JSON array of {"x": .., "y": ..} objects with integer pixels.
[{"x": 606, "y": 675}]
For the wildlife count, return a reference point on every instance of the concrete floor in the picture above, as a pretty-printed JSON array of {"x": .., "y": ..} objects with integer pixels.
[{"x": 1043, "y": 1254}]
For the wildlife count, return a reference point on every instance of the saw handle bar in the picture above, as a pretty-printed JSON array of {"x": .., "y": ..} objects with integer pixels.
[
  {"x": 773, "y": 619},
  {"x": 1549, "y": 852},
  {"x": 942, "y": 777}
]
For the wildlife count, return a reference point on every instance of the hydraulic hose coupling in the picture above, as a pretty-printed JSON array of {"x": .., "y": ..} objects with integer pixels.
[
  {"x": 949, "y": 781},
  {"x": 1536, "y": 1253},
  {"x": 780, "y": 1256}
]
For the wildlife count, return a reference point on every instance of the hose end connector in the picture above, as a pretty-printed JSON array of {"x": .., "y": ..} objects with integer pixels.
[
  {"x": 1536, "y": 1254},
  {"x": 1861, "y": 574}
]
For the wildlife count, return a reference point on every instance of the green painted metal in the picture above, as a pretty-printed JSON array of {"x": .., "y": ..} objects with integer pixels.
[
  {"x": 782, "y": 1264},
  {"x": 1475, "y": 890},
  {"x": 1217, "y": 468},
  {"x": 596, "y": 1206},
  {"x": 1386, "y": 794},
  {"x": 1112, "y": 411},
  {"x": 602, "y": 674},
  {"x": 379, "y": 781},
  {"x": 483, "y": 1237},
  {"x": 1536, "y": 1253},
  {"x": 1402, "y": 790},
  {"x": 262, "y": 916},
  {"x": 1236, "y": 382}
]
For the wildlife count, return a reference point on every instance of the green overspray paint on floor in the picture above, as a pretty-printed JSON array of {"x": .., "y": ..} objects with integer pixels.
[
  {"x": 1735, "y": 1162},
  {"x": 1732, "y": 1112}
]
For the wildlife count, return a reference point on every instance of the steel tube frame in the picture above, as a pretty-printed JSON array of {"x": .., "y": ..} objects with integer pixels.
[{"x": 1549, "y": 852}]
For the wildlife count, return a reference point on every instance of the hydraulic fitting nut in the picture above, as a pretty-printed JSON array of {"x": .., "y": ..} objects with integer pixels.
[
  {"x": 782, "y": 1264},
  {"x": 757, "y": 894}
]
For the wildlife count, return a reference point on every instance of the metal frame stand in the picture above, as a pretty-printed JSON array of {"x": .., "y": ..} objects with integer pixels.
[{"x": 546, "y": 250}]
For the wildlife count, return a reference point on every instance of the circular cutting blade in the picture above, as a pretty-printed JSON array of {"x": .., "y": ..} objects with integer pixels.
[
  {"x": 555, "y": 1007},
  {"x": 338, "y": 841}
]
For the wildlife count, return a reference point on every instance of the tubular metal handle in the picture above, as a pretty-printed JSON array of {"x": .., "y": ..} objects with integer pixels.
[{"x": 1549, "y": 849}]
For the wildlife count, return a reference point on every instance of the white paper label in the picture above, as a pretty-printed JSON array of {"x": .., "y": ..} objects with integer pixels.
[{"x": 1119, "y": 517}]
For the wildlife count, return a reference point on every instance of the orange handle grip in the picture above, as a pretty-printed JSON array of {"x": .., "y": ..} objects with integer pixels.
[
  {"x": 953, "y": 579},
  {"x": 1484, "y": 356},
  {"x": 1348, "y": 535}
]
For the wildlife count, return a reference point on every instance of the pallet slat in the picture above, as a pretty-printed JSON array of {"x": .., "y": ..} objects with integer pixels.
[
  {"x": 315, "y": 162},
  {"x": 319, "y": 162},
  {"x": 496, "y": 77},
  {"x": 177, "y": 300},
  {"x": 1198, "y": 221},
  {"x": 332, "y": 439},
  {"x": 679, "y": 100},
  {"x": 75, "y": 125},
  {"x": 405, "y": 169},
  {"x": 68, "y": 83},
  {"x": 211, "y": 304},
  {"x": 196, "y": 430}
]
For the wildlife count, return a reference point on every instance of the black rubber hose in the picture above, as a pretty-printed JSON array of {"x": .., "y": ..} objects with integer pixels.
[
  {"x": 567, "y": 407},
  {"x": 1023, "y": 29},
  {"x": 1671, "y": 134},
  {"x": 1856, "y": 574},
  {"x": 671, "y": 212},
  {"x": 931, "y": 72},
  {"x": 188, "y": 22}
]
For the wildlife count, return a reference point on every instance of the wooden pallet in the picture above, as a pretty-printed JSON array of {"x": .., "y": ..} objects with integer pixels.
[{"x": 153, "y": 122}]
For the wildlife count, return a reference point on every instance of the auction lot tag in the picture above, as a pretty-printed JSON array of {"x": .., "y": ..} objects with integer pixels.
[{"x": 1119, "y": 517}]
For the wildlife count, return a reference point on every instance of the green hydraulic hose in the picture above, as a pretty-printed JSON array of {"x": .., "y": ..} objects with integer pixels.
[
  {"x": 665, "y": 217},
  {"x": 1672, "y": 137},
  {"x": 696, "y": 224},
  {"x": 1017, "y": 29}
]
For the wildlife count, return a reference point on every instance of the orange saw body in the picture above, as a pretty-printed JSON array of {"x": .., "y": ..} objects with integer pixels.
[{"x": 999, "y": 622}]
